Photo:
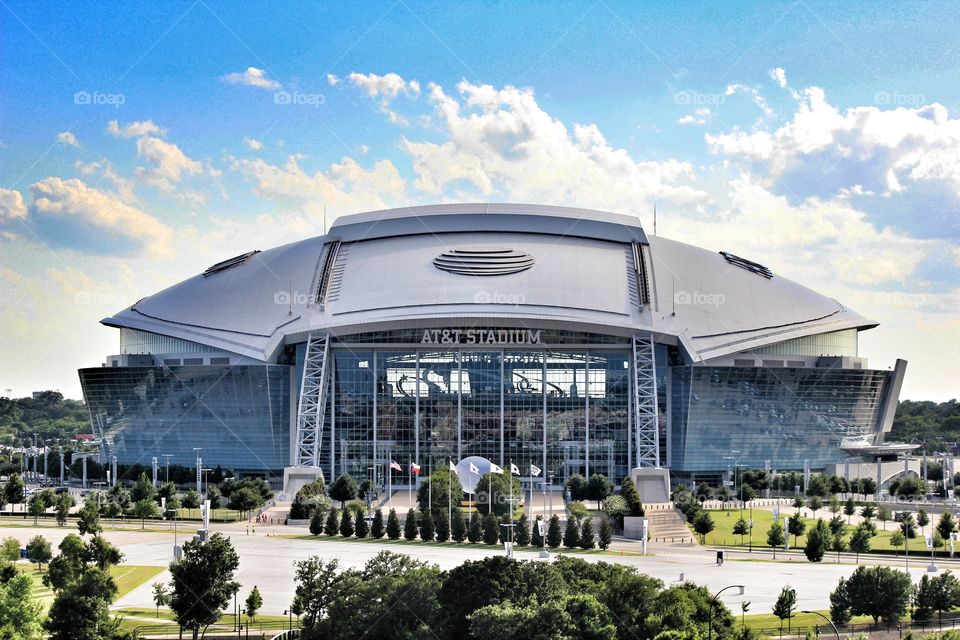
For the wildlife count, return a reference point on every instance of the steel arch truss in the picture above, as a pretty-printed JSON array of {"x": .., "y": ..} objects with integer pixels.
[
  {"x": 313, "y": 400},
  {"x": 646, "y": 413}
]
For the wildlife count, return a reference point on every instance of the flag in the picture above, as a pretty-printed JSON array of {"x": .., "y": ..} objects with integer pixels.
[
  {"x": 453, "y": 468},
  {"x": 534, "y": 470},
  {"x": 395, "y": 465},
  {"x": 473, "y": 469},
  {"x": 514, "y": 469},
  {"x": 495, "y": 469},
  {"x": 414, "y": 467}
]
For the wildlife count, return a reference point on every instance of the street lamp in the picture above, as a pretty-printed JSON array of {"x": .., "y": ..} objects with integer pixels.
[
  {"x": 289, "y": 614},
  {"x": 829, "y": 621},
  {"x": 166, "y": 459},
  {"x": 716, "y": 599}
]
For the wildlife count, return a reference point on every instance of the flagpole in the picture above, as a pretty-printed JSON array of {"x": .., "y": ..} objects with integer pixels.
[
  {"x": 430, "y": 493},
  {"x": 510, "y": 505},
  {"x": 529, "y": 508},
  {"x": 410, "y": 487},
  {"x": 389, "y": 484},
  {"x": 450, "y": 496}
]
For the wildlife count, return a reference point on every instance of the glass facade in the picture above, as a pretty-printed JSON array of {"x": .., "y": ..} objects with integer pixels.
[
  {"x": 782, "y": 415},
  {"x": 238, "y": 415}
]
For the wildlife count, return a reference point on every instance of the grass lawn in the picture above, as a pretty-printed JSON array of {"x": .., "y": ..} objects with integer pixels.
[
  {"x": 769, "y": 621},
  {"x": 723, "y": 535},
  {"x": 127, "y": 577},
  {"x": 448, "y": 545},
  {"x": 136, "y": 617}
]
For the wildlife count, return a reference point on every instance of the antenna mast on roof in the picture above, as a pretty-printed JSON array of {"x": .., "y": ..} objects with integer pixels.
[
  {"x": 654, "y": 218},
  {"x": 290, "y": 297}
]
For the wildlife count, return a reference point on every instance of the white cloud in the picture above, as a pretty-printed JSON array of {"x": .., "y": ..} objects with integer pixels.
[
  {"x": 386, "y": 87},
  {"x": 11, "y": 205},
  {"x": 332, "y": 80},
  {"x": 104, "y": 168},
  {"x": 68, "y": 138},
  {"x": 135, "y": 129},
  {"x": 70, "y": 213},
  {"x": 253, "y": 144},
  {"x": 252, "y": 77},
  {"x": 753, "y": 93},
  {"x": 698, "y": 117},
  {"x": 169, "y": 163},
  {"x": 780, "y": 75}
]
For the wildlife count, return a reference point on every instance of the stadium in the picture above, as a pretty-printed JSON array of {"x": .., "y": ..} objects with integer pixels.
[{"x": 566, "y": 339}]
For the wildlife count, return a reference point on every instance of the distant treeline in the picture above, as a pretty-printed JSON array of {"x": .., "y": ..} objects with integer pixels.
[{"x": 935, "y": 425}]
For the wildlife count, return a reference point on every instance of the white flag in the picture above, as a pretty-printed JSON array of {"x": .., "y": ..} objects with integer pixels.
[
  {"x": 514, "y": 469},
  {"x": 473, "y": 469},
  {"x": 453, "y": 468},
  {"x": 534, "y": 470},
  {"x": 929, "y": 542},
  {"x": 495, "y": 469}
]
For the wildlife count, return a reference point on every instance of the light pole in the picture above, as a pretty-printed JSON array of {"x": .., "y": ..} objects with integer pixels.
[
  {"x": 166, "y": 459},
  {"x": 289, "y": 613},
  {"x": 716, "y": 599},
  {"x": 829, "y": 621}
]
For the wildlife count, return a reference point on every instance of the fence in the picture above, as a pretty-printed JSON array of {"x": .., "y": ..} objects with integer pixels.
[
  {"x": 229, "y": 630},
  {"x": 922, "y": 626}
]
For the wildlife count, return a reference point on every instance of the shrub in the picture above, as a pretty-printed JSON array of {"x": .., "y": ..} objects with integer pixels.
[
  {"x": 410, "y": 526},
  {"x": 571, "y": 535},
  {"x": 346, "y": 524},
  {"x": 491, "y": 529},
  {"x": 458, "y": 528},
  {"x": 586, "y": 534},
  {"x": 474, "y": 531},
  {"x": 332, "y": 523},
  {"x": 377, "y": 529},
  {"x": 606, "y": 534},
  {"x": 393, "y": 525},
  {"x": 360, "y": 527},
  {"x": 427, "y": 528}
]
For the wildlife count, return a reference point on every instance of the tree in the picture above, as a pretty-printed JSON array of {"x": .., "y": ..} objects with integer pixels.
[
  {"x": 838, "y": 544},
  {"x": 68, "y": 565},
  {"x": 203, "y": 582},
  {"x": 435, "y": 489},
  {"x": 245, "y": 499},
  {"x": 868, "y": 511},
  {"x": 598, "y": 488},
  {"x": 410, "y": 526},
  {"x": 554, "y": 536},
  {"x": 37, "y": 506},
  {"x": 840, "y": 604},
  {"x": 606, "y": 534},
  {"x": 947, "y": 525},
  {"x": 907, "y": 526},
  {"x": 837, "y": 526},
  {"x": 63, "y": 504},
  {"x": 923, "y": 598},
  {"x": 393, "y": 525},
  {"x": 491, "y": 529},
  {"x": 586, "y": 534},
  {"x": 88, "y": 518},
  {"x": 254, "y": 601},
  {"x": 879, "y": 592},
  {"x": 628, "y": 491},
  {"x": 703, "y": 492},
  {"x": 215, "y": 497},
  {"x": 849, "y": 508},
  {"x": 191, "y": 499},
  {"x": 443, "y": 526},
  {"x": 860, "y": 540},
  {"x": 316, "y": 523},
  {"x": 796, "y": 526},
  {"x": 814, "y": 504},
  {"x": 38, "y": 550},
  {"x": 10, "y": 549},
  {"x": 818, "y": 541},
  {"x": 143, "y": 509},
  {"x": 15, "y": 490},
  {"x": 427, "y": 528},
  {"x": 102, "y": 554},
  {"x": 571, "y": 535},
  {"x": 898, "y": 539},
  {"x": 946, "y": 593},
  {"x": 884, "y": 514},
  {"x": 360, "y": 527},
  {"x": 576, "y": 486},
  {"x": 161, "y": 596},
  {"x": 868, "y": 486},
  {"x": 475, "y": 529},
  {"x": 798, "y": 503},
  {"x": 521, "y": 535},
  {"x": 20, "y": 612},
  {"x": 785, "y": 605},
  {"x": 740, "y": 527},
  {"x": 317, "y": 584},
  {"x": 344, "y": 488},
  {"x": 922, "y": 519},
  {"x": 332, "y": 524},
  {"x": 494, "y": 491},
  {"x": 346, "y": 523},
  {"x": 776, "y": 537},
  {"x": 703, "y": 524},
  {"x": 143, "y": 489},
  {"x": 81, "y": 609},
  {"x": 458, "y": 527},
  {"x": 377, "y": 529}
]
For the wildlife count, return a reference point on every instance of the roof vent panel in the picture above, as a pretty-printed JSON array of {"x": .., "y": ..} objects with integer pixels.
[{"x": 483, "y": 261}]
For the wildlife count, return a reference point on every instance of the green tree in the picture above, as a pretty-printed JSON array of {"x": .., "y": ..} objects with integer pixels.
[
  {"x": 253, "y": 602},
  {"x": 554, "y": 535},
  {"x": 814, "y": 504},
  {"x": 475, "y": 529},
  {"x": 20, "y": 612},
  {"x": 377, "y": 529},
  {"x": 102, "y": 554},
  {"x": 703, "y": 524},
  {"x": 458, "y": 528},
  {"x": 499, "y": 484},
  {"x": 68, "y": 565},
  {"x": 818, "y": 541},
  {"x": 161, "y": 595},
  {"x": 947, "y": 525},
  {"x": 37, "y": 506},
  {"x": 740, "y": 527},
  {"x": 946, "y": 593},
  {"x": 144, "y": 509},
  {"x": 587, "y": 540},
  {"x": 443, "y": 526},
  {"x": 776, "y": 537},
  {"x": 898, "y": 539},
  {"x": 14, "y": 491},
  {"x": 838, "y": 544},
  {"x": 143, "y": 489},
  {"x": 428, "y": 529},
  {"x": 796, "y": 526},
  {"x": 884, "y": 515},
  {"x": 215, "y": 497},
  {"x": 598, "y": 488},
  {"x": 38, "y": 550},
  {"x": 606, "y": 534},
  {"x": 360, "y": 527},
  {"x": 571, "y": 535},
  {"x": 491, "y": 529},
  {"x": 879, "y": 592},
  {"x": 10, "y": 549},
  {"x": 203, "y": 582},
  {"x": 576, "y": 486},
  {"x": 346, "y": 524},
  {"x": 860, "y": 540},
  {"x": 438, "y": 483},
  {"x": 191, "y": 499},
  {"x": 344, "y": 488},
  {"x": 410, "y": 526},
  {"x": 81, "y": 609},
  {"x": 628, "y": 491},
  {"x": 244, "y": 500},
  {"x": 521, "y": 534},
  {"x": 907, "y": 525},
  {"x": 840, "y": 604},
  {"x": 837, "y": 526},
  {"x": 849, "y": 508},
  {"x": 703, "y": 492},
  {"x": 316, "y": 523},
  {"x": 868, "y": 511},
  {"x": 393, "y": 525},
  {"x": 317, "y": 584},
  {"x": 785, "y": 605},
  {"x": 922, "y": 519},
  {"x": 332, "y": 524},
  {"x": 64, "y": 502},
  {"x": 88, "y": 518}
]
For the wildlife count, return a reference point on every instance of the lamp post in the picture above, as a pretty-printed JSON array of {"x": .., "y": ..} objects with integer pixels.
[
  {"x": 166, "y": 459},
  {"x": 289, "y": 613},
  {"x": 829, "y": 621},
  {"x": 716, "y": 599}
]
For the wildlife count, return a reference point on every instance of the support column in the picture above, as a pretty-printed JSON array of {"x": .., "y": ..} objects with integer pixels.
[{"x": 645, "y": 402}]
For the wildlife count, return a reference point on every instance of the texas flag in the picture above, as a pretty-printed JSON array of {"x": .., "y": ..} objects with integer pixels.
[
  {"x": 395, "y": 465},
  {"x": 415, "y": 468}
]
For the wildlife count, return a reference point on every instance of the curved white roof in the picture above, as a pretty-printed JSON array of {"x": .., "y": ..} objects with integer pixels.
[{"x": 582, "y": 275}]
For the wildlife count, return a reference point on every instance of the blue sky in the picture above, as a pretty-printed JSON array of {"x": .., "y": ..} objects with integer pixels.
[{"x": 141, "y": 142}]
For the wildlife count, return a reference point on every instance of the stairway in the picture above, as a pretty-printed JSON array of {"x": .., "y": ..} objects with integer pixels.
[{"x": 669, "y": 526}]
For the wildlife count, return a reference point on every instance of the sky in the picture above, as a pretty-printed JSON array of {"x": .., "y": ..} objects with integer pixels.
[{"x": 141, "y": 142}]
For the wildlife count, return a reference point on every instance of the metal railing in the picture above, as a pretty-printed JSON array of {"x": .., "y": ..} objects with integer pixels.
[{"x": 923, "y": 626}]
